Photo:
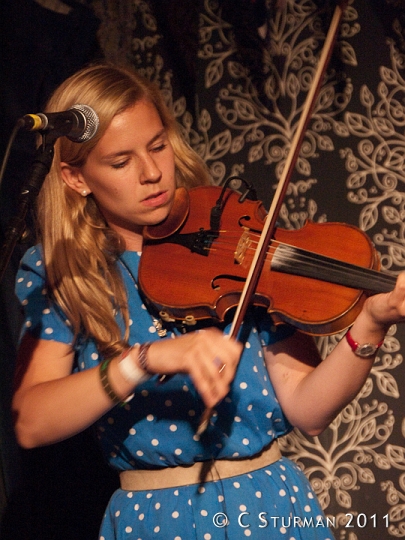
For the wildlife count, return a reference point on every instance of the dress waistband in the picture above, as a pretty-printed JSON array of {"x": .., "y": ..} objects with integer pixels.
[{"x": 197, "y": 473}]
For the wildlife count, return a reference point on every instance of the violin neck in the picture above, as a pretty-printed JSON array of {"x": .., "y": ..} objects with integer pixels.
[{"x": 297, "y": 261}]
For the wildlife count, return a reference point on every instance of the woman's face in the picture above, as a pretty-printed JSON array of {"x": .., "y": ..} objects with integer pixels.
[{"x": 131, "y": 172}]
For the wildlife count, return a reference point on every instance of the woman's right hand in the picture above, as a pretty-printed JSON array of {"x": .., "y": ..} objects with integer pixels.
[{"x": 208, "y": 356}]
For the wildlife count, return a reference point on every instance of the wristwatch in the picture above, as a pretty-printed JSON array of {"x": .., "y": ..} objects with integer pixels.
[{"x": 364, "y": 351}]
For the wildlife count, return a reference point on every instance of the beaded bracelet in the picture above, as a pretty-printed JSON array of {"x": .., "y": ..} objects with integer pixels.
[
  {"x": 143, "y": 356},
  {"x": 106, "y": 383}
]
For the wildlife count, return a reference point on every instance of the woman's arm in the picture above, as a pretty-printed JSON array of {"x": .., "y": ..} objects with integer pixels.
[
  {"x": 312, "y": 392},
  {"x": 51, "y": 404}
]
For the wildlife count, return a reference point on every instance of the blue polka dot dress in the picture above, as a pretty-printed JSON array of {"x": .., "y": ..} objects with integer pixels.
[{"x": 157, "y": 428}]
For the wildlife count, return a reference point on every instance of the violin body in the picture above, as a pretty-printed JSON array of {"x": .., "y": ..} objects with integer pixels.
[{"x": 191, "y": 272}]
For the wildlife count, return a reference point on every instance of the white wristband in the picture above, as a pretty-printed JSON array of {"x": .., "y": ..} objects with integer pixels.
[{"x": 130, "y": 371}]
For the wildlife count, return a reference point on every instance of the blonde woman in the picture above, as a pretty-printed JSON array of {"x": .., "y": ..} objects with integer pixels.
[{"x": 90, "y": 351}]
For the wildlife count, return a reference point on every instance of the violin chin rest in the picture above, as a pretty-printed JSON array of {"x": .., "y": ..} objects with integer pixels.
[{"x": 177, "y": 216}]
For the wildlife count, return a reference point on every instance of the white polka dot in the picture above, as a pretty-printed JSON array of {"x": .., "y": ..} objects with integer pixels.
[
  {"x": 152, "y": 329},
  {"x": 48, "y": 331},
  {"x": 136, "y": 507},
  {"x": 310, "y": 495},
  {"x": 176, "y": 492},
  {"x": 178, "y": 451},
  {"x": 117, "y": 513},
  {"x": 258, "y": 494},
  {"x": 141, "y": 517},
  {"x": 238, "y": 419},
  {"x": 46, "y": 311},
  {"x": 157, "y": 506},
  {"x": 139, "y": 453},
  {"x": 207, "y": 536},
  {"x": 221, "y": 498},
  {"x": 242, "y": 508},
  {"x": 243, "y": 385},
  {"x": 204, "y": 513},
  {"x": 149, "y": 495},
  {"x": 245, "y": 441},
  {"x": 247, "y": 532},
  {"x": 156, "y": 529},
  {"x": 293, "y": 500},
  {"x": 201, "y": 489},
  {"x": 132, "y": 431},
  {"x": 154, "y": 442},
  {"x": 265, "y": 392},
  {"x": 130, "y": 495},
  {"x": 150, "y": 418},
  {"x": 282, "y": 493},
  {"x": 307, "y": 508},
  {"x": 175, "y": 515},
  {"x": 29, "y": 284},
  {"x": 236, "y": 485},
  {"x": 94, "y": 356},
  {"x": 128, "y": 529},
  {"x": 295, "y": 488},
  {"x": 173, "y": 427}
]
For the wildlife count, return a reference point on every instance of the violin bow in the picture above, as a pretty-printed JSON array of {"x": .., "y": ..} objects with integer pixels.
[{"x": 274, "y": 210}]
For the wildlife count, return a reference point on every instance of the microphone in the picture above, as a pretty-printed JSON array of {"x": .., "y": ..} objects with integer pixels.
[{"x": 79, "y": 123}]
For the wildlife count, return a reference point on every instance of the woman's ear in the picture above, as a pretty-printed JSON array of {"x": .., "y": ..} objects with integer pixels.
[{"x": 74, "y": 179}]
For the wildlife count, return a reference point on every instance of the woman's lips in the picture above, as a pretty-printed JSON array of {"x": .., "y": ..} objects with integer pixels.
[{"x": 157, "y": 199}]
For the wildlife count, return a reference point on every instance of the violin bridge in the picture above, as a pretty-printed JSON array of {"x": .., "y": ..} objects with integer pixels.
[{"x": 243, "y": 244}]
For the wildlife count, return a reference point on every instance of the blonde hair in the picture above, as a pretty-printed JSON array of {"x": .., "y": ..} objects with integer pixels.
[{"x": 80, "y": 250}]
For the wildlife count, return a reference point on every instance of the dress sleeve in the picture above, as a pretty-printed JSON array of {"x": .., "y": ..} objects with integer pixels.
[{"x": 42, "y": 317}]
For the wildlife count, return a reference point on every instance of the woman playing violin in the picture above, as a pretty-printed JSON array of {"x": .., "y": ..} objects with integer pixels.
[{"x": 91, "y": 352}]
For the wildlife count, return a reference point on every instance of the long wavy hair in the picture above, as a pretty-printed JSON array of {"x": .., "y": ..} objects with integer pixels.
[{"x": 80, "y": 250}]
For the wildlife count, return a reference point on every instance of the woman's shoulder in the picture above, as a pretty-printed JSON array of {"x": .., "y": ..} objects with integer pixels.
[
  {"x": 33, "y": 259},
  {"x": 31, "y": 272}
]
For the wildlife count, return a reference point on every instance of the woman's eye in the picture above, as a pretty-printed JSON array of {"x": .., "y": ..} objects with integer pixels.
[
  {"x": 159, "y": 148},
  {"x": 119, "y": 165}
]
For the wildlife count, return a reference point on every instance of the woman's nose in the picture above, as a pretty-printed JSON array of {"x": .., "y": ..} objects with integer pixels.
[{"x": 150, "y": 170}]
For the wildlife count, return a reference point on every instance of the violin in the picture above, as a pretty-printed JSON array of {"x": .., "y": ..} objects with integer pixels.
[{"x": 315, "y": 278}]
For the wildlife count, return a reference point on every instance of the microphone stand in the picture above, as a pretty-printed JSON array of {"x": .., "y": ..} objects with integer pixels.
[{"x": 39, "y": 169}]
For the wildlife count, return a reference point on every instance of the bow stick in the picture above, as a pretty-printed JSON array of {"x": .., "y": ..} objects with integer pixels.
[{"x": 274, "y": 210}]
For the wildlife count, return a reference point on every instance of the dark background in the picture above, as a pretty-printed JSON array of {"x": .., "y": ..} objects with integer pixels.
[{"x": 237, "y": 92}]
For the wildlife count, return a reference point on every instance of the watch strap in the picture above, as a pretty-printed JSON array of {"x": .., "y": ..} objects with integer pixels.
[{"x": 363, "y": 350}]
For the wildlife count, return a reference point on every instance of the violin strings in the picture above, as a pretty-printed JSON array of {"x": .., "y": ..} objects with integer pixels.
[{"x": 293, "y": 260}]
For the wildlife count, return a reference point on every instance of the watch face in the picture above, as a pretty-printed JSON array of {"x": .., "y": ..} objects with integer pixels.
[{"x": 368, "y": 349}]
